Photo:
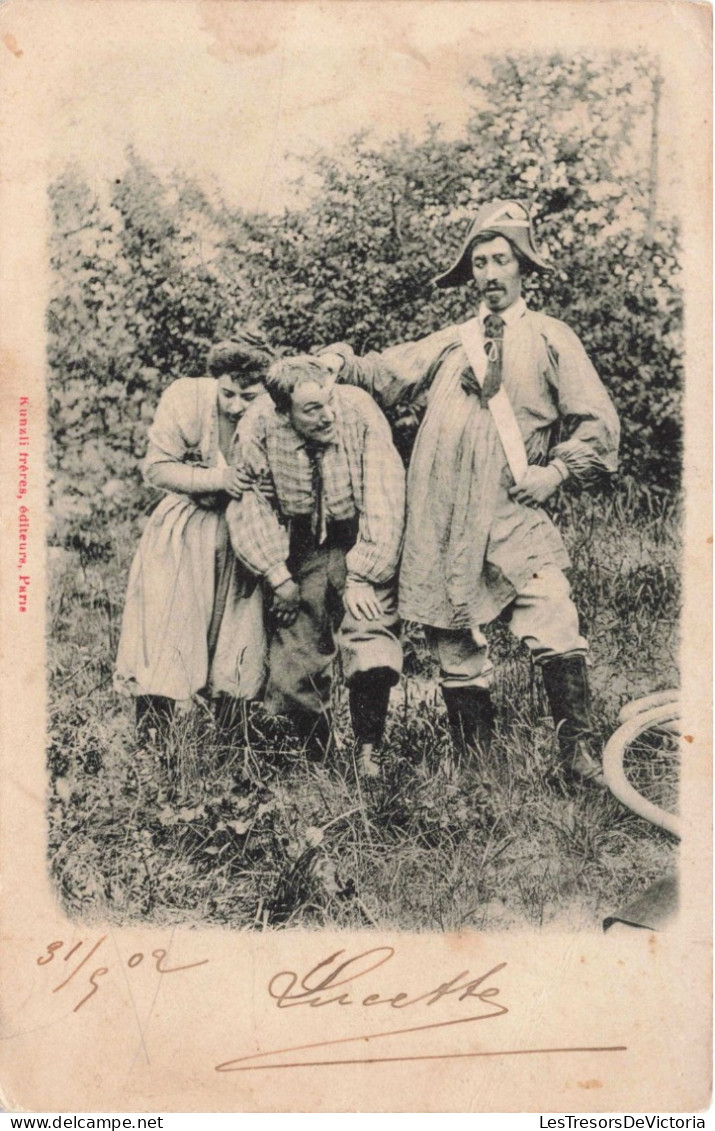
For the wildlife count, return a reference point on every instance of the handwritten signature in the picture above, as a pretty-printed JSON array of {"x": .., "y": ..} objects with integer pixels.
[
  {"x": 331, "y": 982},
  {"x": 318, "y": 985},
  {"x": 92, "y": 977}
]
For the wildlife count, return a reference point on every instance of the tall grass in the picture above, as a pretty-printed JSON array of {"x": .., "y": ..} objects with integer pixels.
[{"x": 244, "y": 829}]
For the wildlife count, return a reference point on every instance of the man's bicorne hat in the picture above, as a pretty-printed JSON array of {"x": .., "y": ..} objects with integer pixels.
[{"x": 507, "y": 218}]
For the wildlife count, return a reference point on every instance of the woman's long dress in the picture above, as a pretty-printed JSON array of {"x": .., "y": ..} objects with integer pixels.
[{"x": 193, "y": 618}]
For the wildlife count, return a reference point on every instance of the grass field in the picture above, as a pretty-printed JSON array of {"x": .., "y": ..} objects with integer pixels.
[{"x": 245, "y": 831}]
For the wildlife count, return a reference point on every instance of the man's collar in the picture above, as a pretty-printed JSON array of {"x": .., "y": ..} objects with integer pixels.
[{"x": 511, "y": 315}]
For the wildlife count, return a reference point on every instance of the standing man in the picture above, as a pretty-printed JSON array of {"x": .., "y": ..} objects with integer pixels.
[
  {"x": 328, "y": 545},
  {"x": 496, "y": 390}
]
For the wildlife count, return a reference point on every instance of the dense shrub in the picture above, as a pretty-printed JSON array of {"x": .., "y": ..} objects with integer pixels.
[{"x": 148, "y": 270}]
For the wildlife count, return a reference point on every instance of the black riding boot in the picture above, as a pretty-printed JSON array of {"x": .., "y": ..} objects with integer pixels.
[
  {"x": 470, "y": 714},
  {"x": 569, "y": 696},
  {"x": 154, "y": 714},
  {"x": 153, "y": 718},
  {"x": 369, "y": 700},
  {"x": 234, "y": 720},
  {"x": 315, "y": 732}
]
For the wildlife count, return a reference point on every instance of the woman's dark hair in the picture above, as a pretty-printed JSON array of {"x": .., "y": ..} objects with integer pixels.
[{"x": 245, "y": 357}]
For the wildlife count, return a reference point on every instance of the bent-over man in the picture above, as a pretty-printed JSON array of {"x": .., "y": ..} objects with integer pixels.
[
  {"x": 327, "y": 543},
  {"x": 496, "y": 390}
]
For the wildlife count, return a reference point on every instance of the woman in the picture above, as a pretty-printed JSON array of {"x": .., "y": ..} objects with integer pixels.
[{"x": 193, "y": 618}]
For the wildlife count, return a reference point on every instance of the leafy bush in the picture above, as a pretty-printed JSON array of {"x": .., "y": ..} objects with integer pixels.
[{"x": 149, "y": 271}]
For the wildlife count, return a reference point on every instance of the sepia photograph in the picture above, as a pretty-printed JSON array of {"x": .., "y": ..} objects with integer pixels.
[
  {"x": 353, "y": 490},
  {"x": 332, "y": 642}
]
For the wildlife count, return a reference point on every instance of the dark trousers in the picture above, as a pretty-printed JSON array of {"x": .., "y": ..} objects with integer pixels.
[{"x": 301, "y": 655}]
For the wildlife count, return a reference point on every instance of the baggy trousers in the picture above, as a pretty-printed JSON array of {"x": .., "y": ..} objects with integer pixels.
[
  {"x": 301, "y": 655},
  {"x": 542, "y": 614}
]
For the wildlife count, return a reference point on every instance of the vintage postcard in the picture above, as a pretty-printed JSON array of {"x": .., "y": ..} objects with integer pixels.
[{"x": 356, "y": 608}]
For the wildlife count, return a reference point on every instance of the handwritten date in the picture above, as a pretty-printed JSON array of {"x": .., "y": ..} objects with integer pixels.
[{"x": 134, "y": 960}]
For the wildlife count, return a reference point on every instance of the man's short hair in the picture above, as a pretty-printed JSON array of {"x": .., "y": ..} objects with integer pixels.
[
  {"x": 245, "y": 358},
  {"x": 284, "y": 376}
]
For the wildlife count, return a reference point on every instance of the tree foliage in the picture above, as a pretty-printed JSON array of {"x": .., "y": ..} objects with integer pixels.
[{"x": 149, "y": 271}]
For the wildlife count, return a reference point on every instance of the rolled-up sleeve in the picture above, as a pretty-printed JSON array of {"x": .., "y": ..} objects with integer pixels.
[
  {"x": 588, "y": 413},
  {"x": 175, "y": 431},
  {"x": 401, "y": 373},
  {"x": 376, "y": 553}
]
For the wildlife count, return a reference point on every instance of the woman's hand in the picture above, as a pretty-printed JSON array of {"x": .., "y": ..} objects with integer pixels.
[
  {"x": 263, "y": 482},
  {"x": 286, "y": 603},
  {"x": 235, "y": 482}
]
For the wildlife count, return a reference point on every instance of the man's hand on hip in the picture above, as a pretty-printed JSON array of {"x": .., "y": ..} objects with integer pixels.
[
  {"x": 361, "y": 601},
  {"x": 537, "y": 485},
  {"x": 286, "y": 603}
]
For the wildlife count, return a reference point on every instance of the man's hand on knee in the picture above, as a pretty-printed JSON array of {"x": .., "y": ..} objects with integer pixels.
[
  {"x": 361, "y": 601},
  {"x": 286, "y": 603}
]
